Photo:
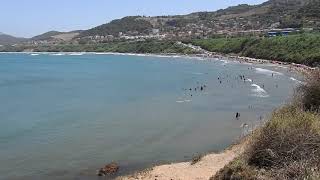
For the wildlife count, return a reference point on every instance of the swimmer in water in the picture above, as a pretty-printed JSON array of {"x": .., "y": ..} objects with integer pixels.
[{"x": 237, "y": 115}]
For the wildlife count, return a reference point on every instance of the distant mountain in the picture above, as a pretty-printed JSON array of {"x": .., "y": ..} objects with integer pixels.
[
  {"x": 271, "y": 14},
  {"x": 56, "y": 35},
  {"x": 8, "y": 39}
]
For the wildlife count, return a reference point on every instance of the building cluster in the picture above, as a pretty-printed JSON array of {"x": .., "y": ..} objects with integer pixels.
[
  {"x": 193, "y": 30},
  {"x": 177, "y": 33}
]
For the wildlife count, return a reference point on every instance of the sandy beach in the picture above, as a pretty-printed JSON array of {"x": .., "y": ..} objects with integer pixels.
[{"x": 208, "y": 166}]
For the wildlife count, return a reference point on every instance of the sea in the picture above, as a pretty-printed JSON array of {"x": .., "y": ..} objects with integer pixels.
[{"x": 65, "y": 115}]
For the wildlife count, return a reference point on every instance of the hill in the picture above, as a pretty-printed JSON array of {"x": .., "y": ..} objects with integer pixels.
[
  {"x": 130, "y": 23},
  {"x": 271, "y": 14},
  {"x": 8, "y": 39},
  {"x": 56, "y": 35}
]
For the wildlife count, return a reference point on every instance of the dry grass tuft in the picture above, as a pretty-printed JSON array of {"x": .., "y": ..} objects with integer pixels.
[
  {"x": 196, "y": 159},
  {"x": 236, "y": 170}
]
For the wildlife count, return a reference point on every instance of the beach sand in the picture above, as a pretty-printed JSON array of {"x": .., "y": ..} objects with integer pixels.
[{"x": 208, "y": 166}]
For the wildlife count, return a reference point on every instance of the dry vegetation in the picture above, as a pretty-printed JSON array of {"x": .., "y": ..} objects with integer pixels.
[
  {"x": 288, "y": 145},
  {"x": 309, "y": 94},
  {"x": 196, "y": 159}
]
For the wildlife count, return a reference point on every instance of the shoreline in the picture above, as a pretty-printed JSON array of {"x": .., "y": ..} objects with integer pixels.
[
  {"x": 206, "y": 167},
  {"x": 300, "y": 68}
]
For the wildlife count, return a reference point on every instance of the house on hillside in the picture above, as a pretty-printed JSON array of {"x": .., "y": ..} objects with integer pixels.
[{"x": 281, "y": 32}]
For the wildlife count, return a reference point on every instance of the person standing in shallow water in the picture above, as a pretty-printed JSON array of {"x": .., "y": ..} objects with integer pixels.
[{"x": 237, "y": 115}]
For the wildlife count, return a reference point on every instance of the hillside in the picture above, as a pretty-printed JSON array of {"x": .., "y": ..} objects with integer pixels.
[
  {"x": 301, "y": 48},
  {"x": 271, "y": 14},
  {"x": 8, "y": 39},
  {"x": 56, "y": 35},
  {"x": 131, "y": 23}
]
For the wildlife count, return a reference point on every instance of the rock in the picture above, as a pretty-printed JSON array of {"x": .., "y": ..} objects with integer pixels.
[
  {"x": 108, "y": 169},
  {"x": 101, "y": 172}
]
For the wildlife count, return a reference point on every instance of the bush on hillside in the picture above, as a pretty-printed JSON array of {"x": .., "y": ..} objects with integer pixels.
[
  {"x": 300, "y": 48},
  {"x": 309, "y": 93},
  {"x": 290, "y": 136}
]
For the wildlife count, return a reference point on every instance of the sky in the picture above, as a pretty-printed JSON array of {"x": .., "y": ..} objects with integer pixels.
[{"x": 27, "y": 18}]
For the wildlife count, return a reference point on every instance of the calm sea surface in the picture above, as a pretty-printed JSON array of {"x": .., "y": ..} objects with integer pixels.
[{"x": 64, "y": 116}]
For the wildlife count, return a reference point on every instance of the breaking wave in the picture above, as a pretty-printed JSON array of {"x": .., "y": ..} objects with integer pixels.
[
  {"x": 267, "y": 71},
  {"x": 57, "y": 54},
  {"x": 248, "y": 80},
  {"x": 259, "y": 91},
  {"x": 76, "y": 54},
  {"x": 293, "y": 79}
]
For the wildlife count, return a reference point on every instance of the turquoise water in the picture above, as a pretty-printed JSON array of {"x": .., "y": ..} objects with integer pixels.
[{"x": 63, "y": 117}]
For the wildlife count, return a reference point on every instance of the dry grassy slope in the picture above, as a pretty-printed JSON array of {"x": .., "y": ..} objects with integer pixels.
[
  {"x": 255, "y": 11},
  {"x": 273, "y": 9},
  {"x": 66, "y": 36}
]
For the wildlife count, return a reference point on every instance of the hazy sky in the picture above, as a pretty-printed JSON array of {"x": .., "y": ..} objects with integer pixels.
[{"x": 26, "y": 18}]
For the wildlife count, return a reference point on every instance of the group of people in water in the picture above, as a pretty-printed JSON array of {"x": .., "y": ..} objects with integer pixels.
[
  {"x": 199, "y": 88},
  {"x": 233, "y": 80}
]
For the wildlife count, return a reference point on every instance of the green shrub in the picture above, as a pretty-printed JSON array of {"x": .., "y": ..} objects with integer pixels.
[{"x": 300, "y": 48}]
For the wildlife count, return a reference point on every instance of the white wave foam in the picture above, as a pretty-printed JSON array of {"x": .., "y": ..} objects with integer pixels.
[
  {"x": 293, "y": 79},
  {"x": 224, "y": 62},
  {"x": 100, "y": 53},
  {"x": 249, "y": 80},
  {"x": 183, "y": 101},
  {"x": 58, "y": 54},
  {"x": 34, "y": 54},
  {"x": 259, "y": 91},
  {"x": 179, "y": 101},
  {"x": 267, "y": 71},
  {"x": 198, "y": 73},
  {"x": 76, "y": 54}
]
